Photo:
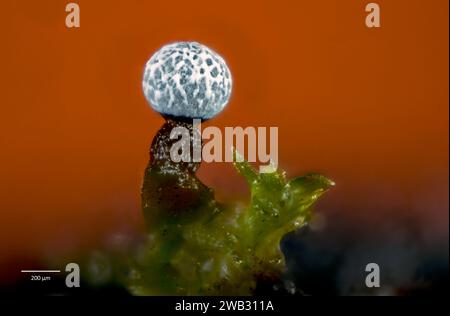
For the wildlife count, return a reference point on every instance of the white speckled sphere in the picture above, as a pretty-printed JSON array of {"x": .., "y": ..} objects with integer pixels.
[{"x": 187, "y": 79}]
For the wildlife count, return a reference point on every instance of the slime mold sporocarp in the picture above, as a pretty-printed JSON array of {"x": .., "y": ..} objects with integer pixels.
[
  {"x": 195, "y": 245},
  {"x": 187, "y": 79}
]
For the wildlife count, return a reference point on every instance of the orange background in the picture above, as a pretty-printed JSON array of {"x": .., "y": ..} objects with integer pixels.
[{"x": 366, "y": 107}]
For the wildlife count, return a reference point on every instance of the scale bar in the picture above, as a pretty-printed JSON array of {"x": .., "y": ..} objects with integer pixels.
[{"x": 40, "y": 271}]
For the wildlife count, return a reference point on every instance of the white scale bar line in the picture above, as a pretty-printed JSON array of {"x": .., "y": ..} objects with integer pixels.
[{"x": 40, "y": 271}]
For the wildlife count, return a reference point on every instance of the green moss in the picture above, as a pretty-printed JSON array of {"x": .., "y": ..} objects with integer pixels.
[
  {"x": 221, "y": 249},
  {"x": 197, "y": 246}
]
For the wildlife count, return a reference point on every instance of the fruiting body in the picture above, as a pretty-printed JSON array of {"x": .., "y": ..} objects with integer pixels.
[
  {"x": 194, "y": 244},
  {"x": 187, "y": 79}
]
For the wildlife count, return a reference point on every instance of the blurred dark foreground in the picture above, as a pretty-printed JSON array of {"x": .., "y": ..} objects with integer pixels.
[{"x": 327, "y": 258}]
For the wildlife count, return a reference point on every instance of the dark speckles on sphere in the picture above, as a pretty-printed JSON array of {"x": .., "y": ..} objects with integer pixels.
[
  {"x": 161, "y": 85},
  {"x": 157, "y": 74},
  {"x": 184, "y": 87},
  {"x": 152, "y": 93},
  {"x": 214, "y": 72}
]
